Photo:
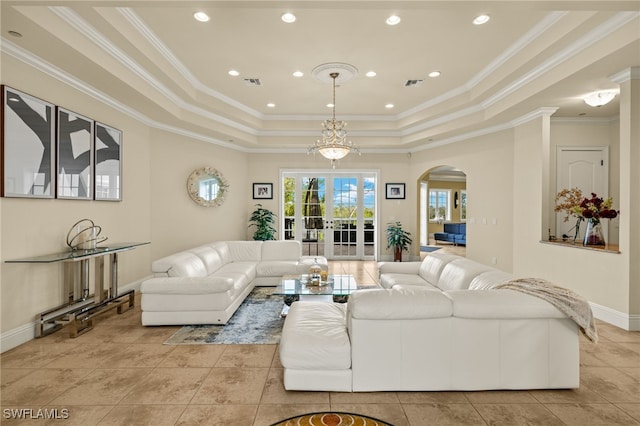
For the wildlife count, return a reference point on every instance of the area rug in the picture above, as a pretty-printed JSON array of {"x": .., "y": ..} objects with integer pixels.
[
  {"x": 331, "y": 419},
  {"x": 429, "y": 248},
  {"x": 257, "y": 321}
]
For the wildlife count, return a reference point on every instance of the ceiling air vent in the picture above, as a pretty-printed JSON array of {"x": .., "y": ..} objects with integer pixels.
[
  {"x": 252, "y": 82},
  {"x": 413, "y": 83}
]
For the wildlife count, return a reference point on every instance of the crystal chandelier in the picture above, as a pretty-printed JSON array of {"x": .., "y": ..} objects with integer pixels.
[{"x": 333, "y": 144}]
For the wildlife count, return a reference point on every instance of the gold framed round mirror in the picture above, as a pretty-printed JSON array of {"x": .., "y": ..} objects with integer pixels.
[{"x": 207, "y": 187}]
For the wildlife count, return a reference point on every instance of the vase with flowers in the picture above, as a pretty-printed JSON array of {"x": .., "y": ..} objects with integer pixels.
[{"x": 591, "y": 210}]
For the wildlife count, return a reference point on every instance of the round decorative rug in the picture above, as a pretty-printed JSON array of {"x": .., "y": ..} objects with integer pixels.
[{"x": 331, "y": 419}]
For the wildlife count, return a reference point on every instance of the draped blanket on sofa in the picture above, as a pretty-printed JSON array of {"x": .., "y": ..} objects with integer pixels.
[{"x": 570, "y": 303}]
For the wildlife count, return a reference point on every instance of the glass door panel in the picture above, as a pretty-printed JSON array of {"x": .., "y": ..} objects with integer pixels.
[
  {"x": 313, "y": 214},
  {"x": 369, "y": 215},
  {"x": 345, "y": 217},
  {"x": 332, "y": 214}
]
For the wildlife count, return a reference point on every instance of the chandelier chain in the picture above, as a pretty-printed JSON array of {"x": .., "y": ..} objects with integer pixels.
[{"x": 333, "y": 143}]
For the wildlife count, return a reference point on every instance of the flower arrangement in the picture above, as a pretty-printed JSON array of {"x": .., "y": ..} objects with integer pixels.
[
  {"x": 574, "y": 204},
  {"x": 592, "y": 209}
]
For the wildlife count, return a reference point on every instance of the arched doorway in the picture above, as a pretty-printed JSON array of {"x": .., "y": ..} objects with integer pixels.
[{"x": 443, "y": 201}]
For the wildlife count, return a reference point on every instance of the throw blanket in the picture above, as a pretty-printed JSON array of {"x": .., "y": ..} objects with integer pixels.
[{"x": 570, "y": 303}]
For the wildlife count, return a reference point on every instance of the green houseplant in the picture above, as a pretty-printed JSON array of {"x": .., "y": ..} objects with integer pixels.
[
  {"x": 398, "y": 239},
  {"x": 263, "y": 219}
]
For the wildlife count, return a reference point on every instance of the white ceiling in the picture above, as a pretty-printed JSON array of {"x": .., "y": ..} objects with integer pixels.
[{"x": 151, "y": 59}]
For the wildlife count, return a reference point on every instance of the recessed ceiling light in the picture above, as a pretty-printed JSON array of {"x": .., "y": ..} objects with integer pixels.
[
  {"x": 389, "y": 106},
  {"x": 298, "y": 73},
  {"x": 271, "y": 105},
  {"x": 481, "y": 19},
  {"x": 288, "y": 17},
  {"x": 434, "y": 74},
  {"x": 15, "y": 33},
  {"x": 371, "y": 74},
  {"x": 330, "y": 105},
  {"x": 201, "y": 16},
  {"x": 234, "y": 73},
  {"x": 393, "y": 20}
]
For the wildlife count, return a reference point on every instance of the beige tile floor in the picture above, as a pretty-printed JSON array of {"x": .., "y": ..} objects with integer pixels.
[{"x": 120, "y": 373}]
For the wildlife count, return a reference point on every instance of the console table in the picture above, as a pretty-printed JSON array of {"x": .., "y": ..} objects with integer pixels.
[{"x": 81, "y": 306}]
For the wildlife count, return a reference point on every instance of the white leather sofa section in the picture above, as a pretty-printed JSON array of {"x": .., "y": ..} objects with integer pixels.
[
  {"x": 317, "y": 349},
  {"x": 206, "y": 284},
  {"x": 437, "y": 326},
  {"x": 461, "y": 340}
]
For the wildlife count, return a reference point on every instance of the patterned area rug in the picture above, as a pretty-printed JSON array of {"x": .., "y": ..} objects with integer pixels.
[
  {"x": 429, "y": 248},
  {"x": 257, "y": 321},
  {"x": 331, "y": 419}
]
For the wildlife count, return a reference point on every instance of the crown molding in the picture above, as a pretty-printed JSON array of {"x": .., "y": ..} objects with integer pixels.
[
  {"x": 538, "y": 113},
  {"x": 136, "y": 22},
  {"x": 594, "y": 36},
  {"x": 75, "y": 21},
  {"x": 9, "y": 48},
  {"x": 628, "y": 74},
  {"x": 585, "y": 120},
  {"x": 618, "y": 20}
]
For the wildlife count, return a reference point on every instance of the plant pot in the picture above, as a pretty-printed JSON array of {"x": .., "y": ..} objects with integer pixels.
[{"x": 397, "y": 254}]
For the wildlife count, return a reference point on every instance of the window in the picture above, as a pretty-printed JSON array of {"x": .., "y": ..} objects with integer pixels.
[
  {"x": 439, "y": 205},
  {"x": 463, "y": 205}
]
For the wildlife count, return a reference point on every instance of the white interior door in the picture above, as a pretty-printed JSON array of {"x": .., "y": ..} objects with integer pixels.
[{"x": 586, "y": 169}]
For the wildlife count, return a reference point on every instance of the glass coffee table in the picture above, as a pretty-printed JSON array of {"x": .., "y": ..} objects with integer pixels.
[{"x": 336, "y": 289}]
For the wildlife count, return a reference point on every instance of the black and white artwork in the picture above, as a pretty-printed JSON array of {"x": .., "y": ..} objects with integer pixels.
[
  {"x": 75, "y": 156},
  {"x": 394, "y": 191},
  {"x": 28, "y": 145},
  {"x": 108, "y": 176}
]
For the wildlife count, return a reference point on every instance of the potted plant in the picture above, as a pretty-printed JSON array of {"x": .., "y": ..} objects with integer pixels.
[
  {"x": 398, "y": 239},
  {"x": 263, "y": 219}
]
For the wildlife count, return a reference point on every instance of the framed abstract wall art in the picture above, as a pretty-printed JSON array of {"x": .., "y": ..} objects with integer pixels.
[
  {"x": 75, "y": 156},
  {"x": 262, "y": 191},
  {"x": 108, "y": 163},
  {"x": 28, "y": 145}
]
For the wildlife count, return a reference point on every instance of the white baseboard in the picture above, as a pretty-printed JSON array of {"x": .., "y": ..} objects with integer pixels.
[
  {"x": 405, "y": 258},
  {"x": 17, "y": 336},
  {"x": 22, "y": 334},
  {"x": 619, "y": 319}
]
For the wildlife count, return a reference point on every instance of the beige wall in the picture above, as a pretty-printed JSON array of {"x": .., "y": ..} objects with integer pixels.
[
  {"x": 487, "y": 162},
  {"x": 506, "y": 191},
  {"x": 583, "y": 133},
  {"x": 177, "y": 222},
  {"x": 30, "y": 227},
  {"x": 599, "y": 276},
  {"x": 505, "y": 181},
  {"x": 391, "y": 168}
]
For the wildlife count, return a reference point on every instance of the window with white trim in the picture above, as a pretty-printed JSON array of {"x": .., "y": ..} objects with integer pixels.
[
  {"x": 463, "y": 205},
  {"x": 439, "y": 205}
]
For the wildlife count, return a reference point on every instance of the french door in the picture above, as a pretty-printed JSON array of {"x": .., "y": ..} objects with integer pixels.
[{"x": 332, "y": 214}]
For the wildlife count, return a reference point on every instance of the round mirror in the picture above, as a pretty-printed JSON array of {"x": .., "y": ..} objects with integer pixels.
[{"x": 207, "y": 187}]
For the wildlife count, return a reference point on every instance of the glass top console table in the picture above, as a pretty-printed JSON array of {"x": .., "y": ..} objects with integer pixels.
[{"x": 81, "y": 306}]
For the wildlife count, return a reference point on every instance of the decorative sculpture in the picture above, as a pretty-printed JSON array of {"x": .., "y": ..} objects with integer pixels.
[{"x": 86, "y": 237}]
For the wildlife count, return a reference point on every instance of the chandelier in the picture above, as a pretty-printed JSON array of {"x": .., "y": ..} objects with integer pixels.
[{"x": 333, "y": 144}]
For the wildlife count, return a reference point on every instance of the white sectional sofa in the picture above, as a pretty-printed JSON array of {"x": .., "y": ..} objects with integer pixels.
[
  {"x": 436, "y": 325},
  {"x": 206, "y": 284}
]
